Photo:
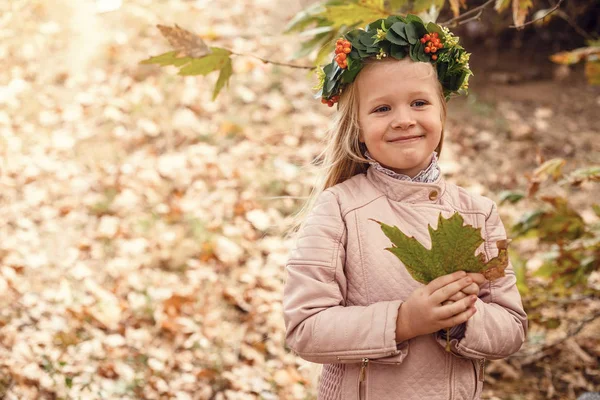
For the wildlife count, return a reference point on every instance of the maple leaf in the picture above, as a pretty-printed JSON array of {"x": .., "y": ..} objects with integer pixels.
[
  {"x": 186, "y": 43},
  {"x": 520, "y": 9},
  {"x": 453, "y": 247}
]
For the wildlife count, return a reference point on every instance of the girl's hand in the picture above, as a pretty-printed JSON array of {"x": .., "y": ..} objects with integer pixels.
[
  {"x": 423, "y": 312},
  {"x": 472, "y": 289}
]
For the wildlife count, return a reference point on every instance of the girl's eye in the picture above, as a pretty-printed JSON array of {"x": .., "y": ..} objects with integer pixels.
[
  {"x": 419, "y": 103},
  {"x": 382, "y": 109}
]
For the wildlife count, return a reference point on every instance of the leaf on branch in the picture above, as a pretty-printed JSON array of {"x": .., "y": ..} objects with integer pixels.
[
  {"x": 398, "y": 5},
  {"x": 420, "y": 6},
  {"x": 217, "y": 60},
  {"x": 169, "y": 58},
  {"x": 305, "y": 18},
  {"x": 353, "y": 14},
  {"x": 588, "y": 174},
  {"x": 551, "y": 167},
  {"x": 455, "y": 6},
  {"x": 575, "y": 56},
  {"x": 543, "y": 17},
  {"x": 512, "y": 197},
  {"x": 453, "y": 247},
  {"x": 223, "y": 80},
  {"x": 501, "y": 5},
  {"x": 186, "y": 43},
  {"x": 520, "y": 9}
]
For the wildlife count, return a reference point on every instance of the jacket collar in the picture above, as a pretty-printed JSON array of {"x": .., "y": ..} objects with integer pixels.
[{"x": 407, "y": 191}]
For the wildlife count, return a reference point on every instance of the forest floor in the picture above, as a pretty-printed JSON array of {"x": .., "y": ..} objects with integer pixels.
[{"x": 142, "y": 224}]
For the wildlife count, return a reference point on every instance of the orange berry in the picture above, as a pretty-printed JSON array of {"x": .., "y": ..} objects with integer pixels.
[
  {"x": 324, "y": 100},
  {"x": 330, "y": 103},
  {"x": 427, "y": 37},
  {"x": 347, "y": 50},
  {"x": 427, "y": 49},
  {"x": 429, "y": 44},
  {"x": 434, "y": 57},
  {"x": 433, "y": 49},
  {"x": 435, "y": 35},
  {"x": 338, "y": 49},
  {"x": 423, "y": 40}
]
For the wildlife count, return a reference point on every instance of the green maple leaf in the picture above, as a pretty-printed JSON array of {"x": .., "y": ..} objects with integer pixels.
[{"x": 453, "y": 247}]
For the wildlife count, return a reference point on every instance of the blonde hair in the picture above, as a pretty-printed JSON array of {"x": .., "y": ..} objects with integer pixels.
[{"x": 342, "y": 157}]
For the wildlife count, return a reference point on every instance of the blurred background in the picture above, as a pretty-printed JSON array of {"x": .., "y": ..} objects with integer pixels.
[{"x": 142, "y": 244}]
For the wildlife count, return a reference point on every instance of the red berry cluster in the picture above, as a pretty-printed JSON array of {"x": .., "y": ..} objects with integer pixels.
[
  {"x": 342, "y": 48},
  {"x": 331, "y": 101},
  {"x": 432, "y": 44}
]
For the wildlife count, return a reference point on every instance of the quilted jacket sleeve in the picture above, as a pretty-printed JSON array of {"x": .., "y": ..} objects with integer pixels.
[
  {"x": 499, "y": 327},
  {"x": 319, "y": 326}
]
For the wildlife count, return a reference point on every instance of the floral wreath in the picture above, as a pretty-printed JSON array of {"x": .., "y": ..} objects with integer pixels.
[{"x": 398, "y": 37}]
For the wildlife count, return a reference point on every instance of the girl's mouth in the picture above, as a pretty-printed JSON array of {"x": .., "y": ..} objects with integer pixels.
[{"x": 407, "y": 139}]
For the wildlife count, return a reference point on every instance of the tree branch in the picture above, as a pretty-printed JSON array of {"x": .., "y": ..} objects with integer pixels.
[
  {"x": 577, "y": 28},
  {"x": 478, "y": 9},
  {"x": 264, "y": 60},
  {"x": 464, "y": 21},
  {"x": 537, "y": 19}
]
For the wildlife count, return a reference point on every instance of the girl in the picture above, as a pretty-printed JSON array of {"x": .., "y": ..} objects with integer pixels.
[{"x": 352, "y": 306}]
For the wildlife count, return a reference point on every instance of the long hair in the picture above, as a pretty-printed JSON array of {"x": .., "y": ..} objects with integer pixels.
[{"x": 343, "y": 154}]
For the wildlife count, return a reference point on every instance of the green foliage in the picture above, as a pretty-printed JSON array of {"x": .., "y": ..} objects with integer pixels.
[
  {"x": 570, "y": 245},
  {"x": 453, "y": 247}
]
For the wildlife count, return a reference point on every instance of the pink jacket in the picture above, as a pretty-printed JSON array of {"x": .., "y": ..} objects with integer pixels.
[{"x": 343, "y": 291}]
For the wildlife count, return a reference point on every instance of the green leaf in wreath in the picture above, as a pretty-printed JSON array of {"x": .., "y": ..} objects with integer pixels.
[
  {"x": 398, "y": 52},
  {"x": 395, "y": 38}
]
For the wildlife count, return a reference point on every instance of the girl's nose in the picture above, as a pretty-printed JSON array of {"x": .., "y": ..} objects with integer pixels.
[{"x": 403, "y": 119}]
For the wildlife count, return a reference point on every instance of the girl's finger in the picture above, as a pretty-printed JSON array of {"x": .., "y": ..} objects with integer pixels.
[
  {"x": 473, "y": 288},
  {"x": 444, "y": 280},
  {"x": 479, "y": 279},
  {"x": 445, "y": 292},
  {"x": 459, "y": 318},
  {"x": 458, "y": 296},
  {"x": 448, "y": 311}
]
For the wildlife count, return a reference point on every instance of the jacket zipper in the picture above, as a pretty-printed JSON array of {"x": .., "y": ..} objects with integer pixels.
[
  {"x": 361, "y": 379},
  {"x": 479, "y": 375},
  {"x": 482, "y": 370}
]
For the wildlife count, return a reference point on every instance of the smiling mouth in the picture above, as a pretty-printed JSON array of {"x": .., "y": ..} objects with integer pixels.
[{"x": 407, "y": 138}]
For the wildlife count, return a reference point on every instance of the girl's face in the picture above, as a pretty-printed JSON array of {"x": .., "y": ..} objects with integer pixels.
[{"x": 400, "y": 114}]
